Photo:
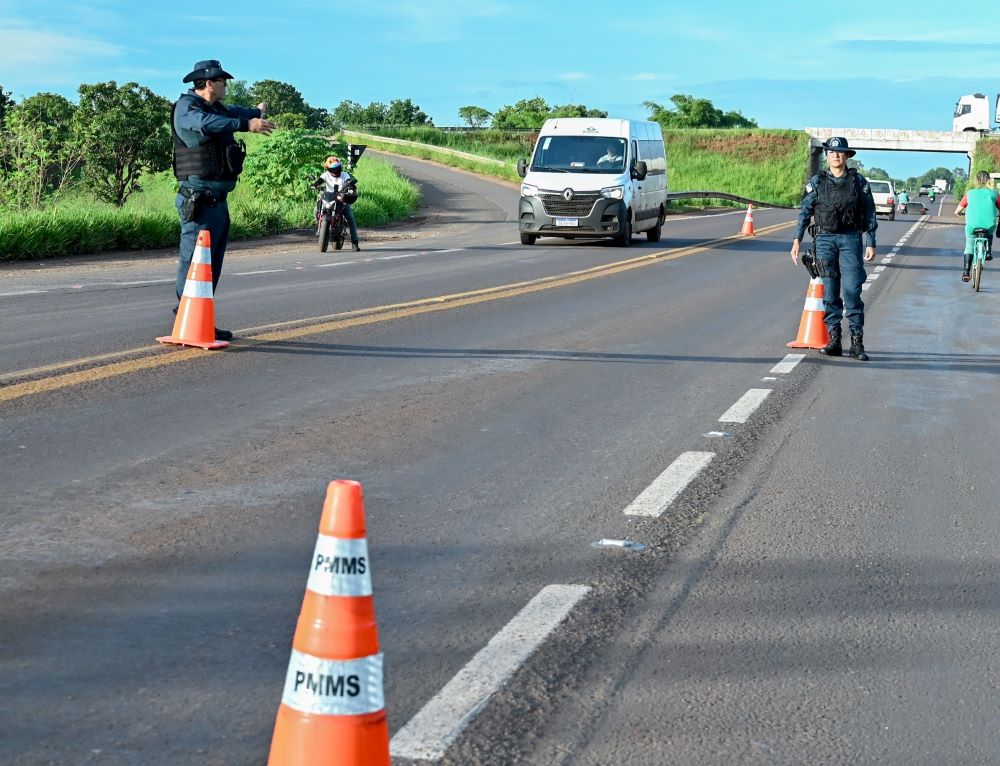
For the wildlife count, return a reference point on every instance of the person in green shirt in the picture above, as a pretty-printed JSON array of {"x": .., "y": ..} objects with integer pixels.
[{"x": 980, "y": 206}]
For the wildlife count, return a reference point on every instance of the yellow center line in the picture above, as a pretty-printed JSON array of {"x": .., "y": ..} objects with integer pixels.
[{"x": 157, "y": 356}]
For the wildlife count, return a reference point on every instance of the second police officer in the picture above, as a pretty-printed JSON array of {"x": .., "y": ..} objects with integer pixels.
[{"x": 839, "y": 201}]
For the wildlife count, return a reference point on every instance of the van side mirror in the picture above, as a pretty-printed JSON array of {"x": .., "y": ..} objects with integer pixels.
[
  {"x": 639, "y": 171},
  {"x": 522, "y": 167}
]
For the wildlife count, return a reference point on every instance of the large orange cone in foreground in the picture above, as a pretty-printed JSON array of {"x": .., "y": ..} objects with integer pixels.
[
  {"x": 747, "y": 230},
  {"x": 195, "y": 322},
  {"x": 332, "y": 709},
  {"x": 812, "y": 331}
]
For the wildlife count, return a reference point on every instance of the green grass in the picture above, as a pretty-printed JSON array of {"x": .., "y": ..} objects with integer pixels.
[
  {"x": 765, "y": 165},
  {"x": 77, "y": 224},
  {"x": 507, "y": 172},
  {"x": 505, "y": 145}
]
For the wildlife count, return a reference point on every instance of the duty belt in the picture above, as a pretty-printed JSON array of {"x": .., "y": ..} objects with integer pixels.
[{"x": 207, "y": 197}]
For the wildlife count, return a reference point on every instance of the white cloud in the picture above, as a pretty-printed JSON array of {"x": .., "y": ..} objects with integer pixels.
[
  {"x": 648, "y": 77},
  {"x": 49, "y": 58}
]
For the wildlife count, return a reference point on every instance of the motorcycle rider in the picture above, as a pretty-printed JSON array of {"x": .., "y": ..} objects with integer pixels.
[{"x": 333, "y": 179}]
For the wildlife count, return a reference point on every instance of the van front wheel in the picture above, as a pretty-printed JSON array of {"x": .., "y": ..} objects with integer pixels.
[
  {"x": 654, "y": 234},
  {"x": 624, "y": 239},
  {"x": 528, "y": 239}
]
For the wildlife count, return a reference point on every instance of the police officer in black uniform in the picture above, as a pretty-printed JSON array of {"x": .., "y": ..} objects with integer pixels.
[
  {"x": 840, "y": 202},
  {"x": 207, "y": 162}
]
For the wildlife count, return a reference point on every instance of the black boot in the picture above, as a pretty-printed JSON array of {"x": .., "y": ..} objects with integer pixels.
[
  {"x": 858, "y": 345},
  {"x": 833, "y": 348},
  {"x": 968, "y": 267}
]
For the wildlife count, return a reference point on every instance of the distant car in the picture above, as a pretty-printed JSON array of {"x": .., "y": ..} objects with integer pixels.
[
  {"x": 916, "y": 208},
  {"x": 885, "y": 198},
  {"x": 922, "y": 192}
]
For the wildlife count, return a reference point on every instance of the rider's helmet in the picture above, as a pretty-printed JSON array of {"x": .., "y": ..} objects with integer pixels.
[{"x": 333, "y": 164}]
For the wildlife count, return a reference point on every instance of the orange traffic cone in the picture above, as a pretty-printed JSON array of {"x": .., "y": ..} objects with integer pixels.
[
  {"x": 332, "y": 709},
  {"x": 812, "y": 330},
  {"x": 195, "y": 322},
  {"x": 747, "y": 230}
]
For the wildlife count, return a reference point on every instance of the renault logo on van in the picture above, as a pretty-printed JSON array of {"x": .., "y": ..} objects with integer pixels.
[{"x": 567, "y": 194}]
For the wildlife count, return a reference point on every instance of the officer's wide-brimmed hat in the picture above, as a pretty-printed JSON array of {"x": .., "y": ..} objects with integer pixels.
[
  {"x": 210, "y": 69},
  {"x": 838, "y": 144}
]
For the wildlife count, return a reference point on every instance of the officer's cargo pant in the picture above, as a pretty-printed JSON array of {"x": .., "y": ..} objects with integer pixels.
[
  {"x": 215, "y": 219},
  {"x": 839, "y": 258}
]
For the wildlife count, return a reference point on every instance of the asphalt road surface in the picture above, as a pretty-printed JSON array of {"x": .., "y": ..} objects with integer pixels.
[{"x": 818, "y": 582}]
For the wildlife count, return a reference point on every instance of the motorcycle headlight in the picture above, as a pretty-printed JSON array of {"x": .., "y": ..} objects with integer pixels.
[
  {"x": 613, "y": 192},
  {"x": 527, "y": 190}
]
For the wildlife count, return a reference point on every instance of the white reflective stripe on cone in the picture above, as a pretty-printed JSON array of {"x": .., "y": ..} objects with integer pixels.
[
  {"x": 195, "y": 288},
  {"x": 814, "y": 304},
  {"x": 334, "y": 687},
  {"x": 340, "y": 567},
  {"x": 202, "y": 255}
]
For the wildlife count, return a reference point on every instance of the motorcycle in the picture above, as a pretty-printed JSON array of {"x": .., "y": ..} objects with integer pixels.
[{"x": 330, "y": 214}]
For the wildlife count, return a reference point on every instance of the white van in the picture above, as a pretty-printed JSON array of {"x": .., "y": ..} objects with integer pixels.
[{"x": 594, "y": 178}]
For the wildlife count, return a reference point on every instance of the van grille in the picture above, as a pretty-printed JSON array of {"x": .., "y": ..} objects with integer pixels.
[{"x": 579, "y": 207}]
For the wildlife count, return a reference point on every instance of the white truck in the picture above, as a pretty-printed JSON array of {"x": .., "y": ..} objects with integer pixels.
[{"x": 972, "y": 113}]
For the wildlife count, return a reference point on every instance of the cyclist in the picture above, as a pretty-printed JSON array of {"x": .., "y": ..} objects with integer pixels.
[
  {"x": 333, "y": 179},
  {"x": 980, "y": 206}
]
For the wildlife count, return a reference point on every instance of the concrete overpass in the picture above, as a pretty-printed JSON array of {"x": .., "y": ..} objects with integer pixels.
[{"x": 891, "y": 140}]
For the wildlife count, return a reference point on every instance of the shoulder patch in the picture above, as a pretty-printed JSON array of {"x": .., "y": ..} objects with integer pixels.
[
  {"x": 810, "y": 188},
  {"x": 866, "y": 187}
]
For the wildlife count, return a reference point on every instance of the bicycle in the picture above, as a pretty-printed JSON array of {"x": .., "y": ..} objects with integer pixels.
[{"x": 980, "y": 249}]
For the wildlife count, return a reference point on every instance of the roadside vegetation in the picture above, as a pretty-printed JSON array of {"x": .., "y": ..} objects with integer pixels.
[
  {"x": 87, "y": 179},
  {"x": 94, "y": 175}
]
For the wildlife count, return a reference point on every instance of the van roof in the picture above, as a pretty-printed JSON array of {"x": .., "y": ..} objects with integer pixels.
[{"x": 598, "y": 126}]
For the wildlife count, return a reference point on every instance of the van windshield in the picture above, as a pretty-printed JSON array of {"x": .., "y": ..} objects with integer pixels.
[{"x": 580, "y": 154}]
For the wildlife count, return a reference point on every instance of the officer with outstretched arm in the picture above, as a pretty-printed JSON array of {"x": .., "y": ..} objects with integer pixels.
[
  {"x": 207, "y": 162},
  {"x": 840, "y": 200}
]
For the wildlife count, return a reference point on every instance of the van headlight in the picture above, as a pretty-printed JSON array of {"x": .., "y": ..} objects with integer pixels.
[
  {"x": 527, "y": 190},
  {"x": 613, "y": 192}
]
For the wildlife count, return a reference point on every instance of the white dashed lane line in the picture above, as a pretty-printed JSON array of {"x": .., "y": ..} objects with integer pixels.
[
  {"x": 657, "y": 497},
  {"x": 787, "y": 364},
  {"x": 429, "y": 733},
  {"x": 262, "y": 271},
  {"x": 746, "y": 406},
  {"x": 23, "y": 292}
]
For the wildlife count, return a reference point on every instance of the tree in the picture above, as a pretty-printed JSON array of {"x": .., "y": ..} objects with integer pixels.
[
  {"x": 928, "y": 178},
  {"x": 690, "y": 112},
  {"x": 38, "y": 149},
  {"x": 405, "y": 112},
  {"x": 290, "y": 121},
  {"x": 474, "y": 116},
  {"x": 238, "y": 94},
  {"x": 6, "y": 104},
  {"x": 122, "y": 133},
  {"x": 576, "y": 110},
  {"x": 279, "y": 96},
  {"x": 878, "y": 174},
  {"x": 526, "y": 113}
]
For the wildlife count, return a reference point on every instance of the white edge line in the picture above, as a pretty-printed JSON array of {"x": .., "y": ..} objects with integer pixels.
[
  {"x": 655, "y": 499},
  {"x": 262, "y": 271},
  {"x": 23, "y": 292},
  {"x": 328, "y": 265},
  {"x": 787, "y": 364},
  {"x": 745, "y": 407},
  {"x": 428, "y": 734}
]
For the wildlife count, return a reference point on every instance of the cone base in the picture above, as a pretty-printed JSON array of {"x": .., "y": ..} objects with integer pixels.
[
  {"x": 199, "y": 344},
  {"x": 797, "y": 344}
]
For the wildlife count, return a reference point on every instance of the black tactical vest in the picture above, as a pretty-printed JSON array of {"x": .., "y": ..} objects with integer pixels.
[
  {"x": 220, "y": 158},
  {"x": 838, "y": 207}
]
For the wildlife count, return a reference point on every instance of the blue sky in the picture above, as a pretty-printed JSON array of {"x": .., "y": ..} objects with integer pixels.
[{"x": 787, "y": 65}]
